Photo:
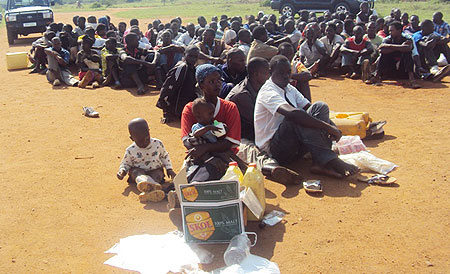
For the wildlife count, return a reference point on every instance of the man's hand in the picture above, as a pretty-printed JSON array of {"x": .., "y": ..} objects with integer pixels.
[
  {"x": 335, "y": 133},
  {"x": 171, "y": 173},
  {"x": 121, "y": 174}
]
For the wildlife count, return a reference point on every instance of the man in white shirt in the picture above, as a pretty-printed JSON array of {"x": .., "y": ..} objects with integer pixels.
[
  {"x": 287, "y": 125},
  {"x": 187, "y": 37}
]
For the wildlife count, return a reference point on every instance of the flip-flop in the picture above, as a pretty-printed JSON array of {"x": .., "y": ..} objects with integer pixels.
[
  {"x": 378, "y": 179},
  {"x": 312, "y": 186},
  {"x": 154, "y": 196}
]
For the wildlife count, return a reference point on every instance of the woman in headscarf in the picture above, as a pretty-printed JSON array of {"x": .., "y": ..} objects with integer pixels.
[{"x": 209, "y": 80}]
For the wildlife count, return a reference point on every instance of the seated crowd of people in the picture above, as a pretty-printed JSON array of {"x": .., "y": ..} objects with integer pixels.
[{"x": 252, "y": 76}]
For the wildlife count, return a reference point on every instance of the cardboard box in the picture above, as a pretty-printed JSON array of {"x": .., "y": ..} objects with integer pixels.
[{"x": 211, "y": 211}]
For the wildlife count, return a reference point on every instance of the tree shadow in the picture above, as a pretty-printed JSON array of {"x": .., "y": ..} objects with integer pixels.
[{"x": 375, "y": 143}]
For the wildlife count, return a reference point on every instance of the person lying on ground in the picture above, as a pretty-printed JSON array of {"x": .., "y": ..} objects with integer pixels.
[
  {"x": 396, "y": 61},
  {"x": 209, "y": 79},
  {"x": 179, "y": 87},
  {"x": 137, "y": 64},
  {"x": 355, "y": 51},
  {"x": 37, "y": 54},
  {"x": 110, "y": 63},
  {"x": 58, "y": 61},
  {"x": 88, "y": 61},
  {"x": 431, "y": 45},
  {"x": 210, "y": 49},
  {"x": 144, "y": 161},
  {"x": 287, "y": 125},
  {"x": 244, "y": 96},
  {"x": 233, "y": 71}
]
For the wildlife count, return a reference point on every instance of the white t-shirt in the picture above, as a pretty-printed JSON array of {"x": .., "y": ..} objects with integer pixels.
[
  {"x": 295, "y": 36},
  {"x": 311, "y": 54},
  {"x": 267, "y": 119},
  {"x": 184, "y": 39},
  {"x": 337, "y": 40}
]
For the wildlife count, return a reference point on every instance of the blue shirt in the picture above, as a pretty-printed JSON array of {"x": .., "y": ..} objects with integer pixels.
[
  {"x": 443, "y": 29},
  {"x": 64, "y": 54},
  {"x": 418, "y": 36}
]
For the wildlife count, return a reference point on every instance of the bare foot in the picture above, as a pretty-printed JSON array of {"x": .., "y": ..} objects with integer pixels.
[
  {"x": 325, "y": 171},
  {"x": 342, "y": 167},
  {"x": 285, "y": 176}
]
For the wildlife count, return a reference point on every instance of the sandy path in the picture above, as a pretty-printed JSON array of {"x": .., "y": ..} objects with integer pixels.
[{"x": 59, "y": 214}]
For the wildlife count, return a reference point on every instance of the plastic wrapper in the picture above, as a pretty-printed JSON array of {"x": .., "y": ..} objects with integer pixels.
[
  {"x": 273, "y": 218},
  {"x": 368, "y": 162},
  {"x": 252, "y": 264},
  {"x": 350, "y": 144}
]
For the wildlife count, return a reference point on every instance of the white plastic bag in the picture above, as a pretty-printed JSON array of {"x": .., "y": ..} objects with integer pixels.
[
  {"x": 350, "y": 144},
  {"x": 251, "y": 265},
  {"x": 158, "y": 254},
  {"x": 368, "y": 162}
]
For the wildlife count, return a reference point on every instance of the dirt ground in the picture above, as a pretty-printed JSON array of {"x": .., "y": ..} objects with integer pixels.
[{"x": 59, "y": 213}]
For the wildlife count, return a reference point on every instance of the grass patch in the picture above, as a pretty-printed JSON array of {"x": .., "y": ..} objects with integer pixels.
[{"x": 191, "y": 9}]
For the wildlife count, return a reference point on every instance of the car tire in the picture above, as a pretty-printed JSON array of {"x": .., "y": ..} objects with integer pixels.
[
  {"x": 341, "y": 7},
  {"x": 11, "y": 37},
  {"x": 287, "y": 9}
]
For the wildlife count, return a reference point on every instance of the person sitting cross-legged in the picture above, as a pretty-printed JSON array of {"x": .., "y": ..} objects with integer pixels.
[
  {"x": 396, "y": 61},
  {"x": 136, "y": 64},
  {"x": 356, "y": 50},
  {"x": 58, "y": 60},
  {"x": 244, "y": 96},
  {"x": 287, "y": 125}
]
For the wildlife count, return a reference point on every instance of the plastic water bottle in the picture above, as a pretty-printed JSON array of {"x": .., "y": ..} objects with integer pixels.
[
  {"x": 238, "y": 249},
  {"x": 254, "y": 179},
  {"x": 233, "y": 173}
]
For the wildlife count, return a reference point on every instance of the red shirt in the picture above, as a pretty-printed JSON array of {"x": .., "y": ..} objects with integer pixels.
[
  {"x": 225, "y": 112},
  {"x": 354, "y": 46}
]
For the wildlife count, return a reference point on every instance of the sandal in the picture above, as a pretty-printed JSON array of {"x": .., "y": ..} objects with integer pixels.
[
  {"x": 154, "y": 196},
  {"x": 378, "y": 179},
  {"x": 312, "y": 186}
]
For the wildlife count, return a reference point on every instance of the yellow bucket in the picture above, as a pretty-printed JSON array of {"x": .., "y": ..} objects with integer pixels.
[{"x": 16, "y": 60}]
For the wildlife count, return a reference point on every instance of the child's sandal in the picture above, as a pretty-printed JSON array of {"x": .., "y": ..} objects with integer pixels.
[{"x": 153, "y": 196}]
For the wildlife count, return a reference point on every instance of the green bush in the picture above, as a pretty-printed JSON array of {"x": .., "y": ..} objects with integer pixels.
[{"x": 96, "y": 5}]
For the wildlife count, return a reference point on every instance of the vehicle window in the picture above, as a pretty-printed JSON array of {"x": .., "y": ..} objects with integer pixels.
[{"x": 13, "y": 4}]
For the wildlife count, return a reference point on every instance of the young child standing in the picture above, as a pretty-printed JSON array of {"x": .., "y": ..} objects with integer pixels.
[{"x": 144, "y": 161}]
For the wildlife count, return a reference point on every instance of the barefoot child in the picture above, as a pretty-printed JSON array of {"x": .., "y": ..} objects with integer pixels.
[
  {"x": 89, "y": 63},
  {"x": 144, "y": 161},
  {"x": 110, "y": 63}
]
